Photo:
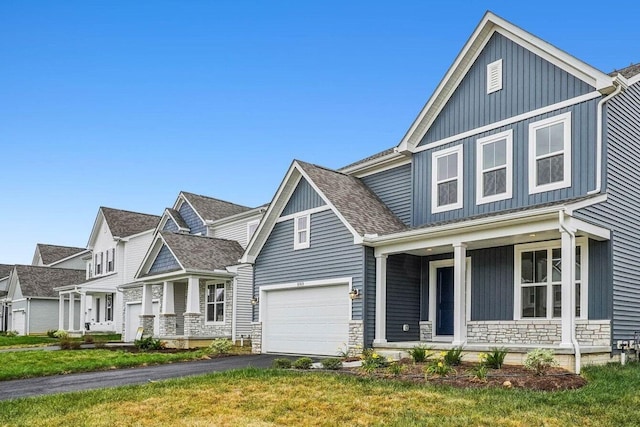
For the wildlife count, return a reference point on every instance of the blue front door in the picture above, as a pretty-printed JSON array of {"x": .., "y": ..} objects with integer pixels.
[{"x": 444, "y": 301}]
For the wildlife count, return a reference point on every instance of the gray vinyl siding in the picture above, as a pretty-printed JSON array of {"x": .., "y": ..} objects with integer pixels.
[
  {"x": 304, "y": 197},
  {"x": 393, "y": 187},
  {"x": 165, "y": 261},
  {"x": 600, "y": 283},
  {"x": 403, "y": 297},
  {"x": 170, "y": 225},
  {"x": 369, "y": 296},
  {"x": 192, "y": 219},
  {"x": 583, "y": 156},
  {"x": 492, "y": 284},
  {"x": 244, "y": 283},
  {"x": 529, "y": 82},
  {"x": 620, "y": 212},
  {"x": 331, "y": 254}
]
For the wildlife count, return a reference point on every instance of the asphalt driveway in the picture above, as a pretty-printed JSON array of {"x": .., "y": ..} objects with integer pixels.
[{"x": 103, "y": 379}]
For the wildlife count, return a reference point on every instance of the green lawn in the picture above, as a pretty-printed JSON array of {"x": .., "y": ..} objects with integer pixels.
[
  {"x": 276, "y": 398},
  {"x": 43, "y": 340}
]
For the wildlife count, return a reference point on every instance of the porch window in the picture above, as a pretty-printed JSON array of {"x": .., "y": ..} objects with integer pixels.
[
  {"x": 550, "y": 154},
  {"x": 446, "y": 179},
  {"x": 215, "y": 302},
  {"x": 108, "y": 307},
  {"x": 301, "y": 231},
  {"x": 493, "y": 165},
  {"x": 539, "y": 280}
]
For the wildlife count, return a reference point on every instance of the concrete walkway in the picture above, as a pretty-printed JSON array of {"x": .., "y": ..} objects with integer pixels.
[{"x": 103, "y": 379}]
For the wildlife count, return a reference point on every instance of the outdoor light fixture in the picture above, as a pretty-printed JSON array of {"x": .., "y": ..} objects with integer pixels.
[
  {"x": 255, "y": 300},
  {"x": 354, "y": 293}
]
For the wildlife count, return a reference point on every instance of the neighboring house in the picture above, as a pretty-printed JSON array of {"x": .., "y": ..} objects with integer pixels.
[
  {"x": 118, "y": 241},
  {"x": 190, "y": 287},
  {"x": 60, "y": 256},
  {"x": 507, "y": 216},
  {"x": 5, "y": 270},
  {"x": 32, "y": 300}
]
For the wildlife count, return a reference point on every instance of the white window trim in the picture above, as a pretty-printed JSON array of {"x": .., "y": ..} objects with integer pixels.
[
  {"x": 497, "y": 65},
  {"x": 584, "y": 277},
  {"x": 206, "y": 303},
  {"x": 480, "y": 199},
  {"x": 566, "y": 182},
  {"x": 297, "y": 245},
  {"x": 249, "y": 225},
  {"x": 458, "y": 149}
]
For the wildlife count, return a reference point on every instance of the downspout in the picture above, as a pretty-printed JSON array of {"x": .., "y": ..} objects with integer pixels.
[
  {"x": 574, "y": 341},
  {"x": 619, "y": 86}
]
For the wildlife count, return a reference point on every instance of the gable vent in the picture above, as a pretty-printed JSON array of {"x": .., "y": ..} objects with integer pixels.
[{"x": 494, "y": 76}]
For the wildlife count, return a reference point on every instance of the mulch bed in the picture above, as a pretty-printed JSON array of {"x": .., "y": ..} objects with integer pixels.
[{"x": 509, "y": 376}]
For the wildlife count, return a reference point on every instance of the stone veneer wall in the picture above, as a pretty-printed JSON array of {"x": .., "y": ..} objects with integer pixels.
[
  {"x": 588, "y": 332},
  {"x": 426, "y": 330},
  {"x": 594, "y": 332},
  {"x": 200, "y": 327},
  {"x": 135, "y": 295},
  {"x": 356, "y": 338},
  {"x": 256, "y": 337}
]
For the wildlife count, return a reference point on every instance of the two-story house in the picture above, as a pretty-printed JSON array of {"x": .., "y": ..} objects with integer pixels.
[
  {"x": 505, "y": 217},
  {"x": 190, "y": 287},
  {"x": 118, "y": 241},
  {"x": 5, "y": 270}
]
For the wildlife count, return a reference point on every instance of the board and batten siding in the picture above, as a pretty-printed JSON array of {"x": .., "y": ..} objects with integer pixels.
[
  {"x": 620, "y": 212},
  {"x": 393, "y": 187},
  {"x": 492, "y": 284},
  {"x": 583, "y": 156},
  {"x": 529, "y": 82},
  {"x": 369, "y": 296},
  {"x": 192, "y": 219},
  {"x": 403, "y": 297},
  {"x": 165, "y": 261},
  {"x": 304, "y": 197},
  {"x": 331, "y": 254}
]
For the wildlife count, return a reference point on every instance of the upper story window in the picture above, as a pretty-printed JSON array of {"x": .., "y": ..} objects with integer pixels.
[
  {"x": 98, "y": 263},
  {"x": 301, "y": 226},
  {"x": 89, "y": 270},
  {"x": 494, "y": 180},
  {"x": 111, "y": 254},
  {"x": 446, "y": 179},
  {"x": 550, "y": 154},
  {"x": 215, "y": 302},
  {"x": 252, "y": 226},
  {"x": 494, "y": 76}
]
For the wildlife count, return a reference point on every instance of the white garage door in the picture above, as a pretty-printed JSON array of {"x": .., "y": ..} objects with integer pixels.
[
  {"x": 133, "y": 320},
  {"x": 313, "y": 320},
  {"x": 20, "y": 322}
]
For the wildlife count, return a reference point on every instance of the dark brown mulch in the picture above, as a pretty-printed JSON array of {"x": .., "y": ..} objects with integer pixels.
[{"x": 509, "y": 376}]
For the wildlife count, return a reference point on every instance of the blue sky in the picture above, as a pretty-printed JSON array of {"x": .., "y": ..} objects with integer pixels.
[{"x": 124, "y": 104}]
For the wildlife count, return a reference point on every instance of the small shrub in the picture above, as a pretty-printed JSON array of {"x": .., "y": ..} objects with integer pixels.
[
  {"x": 88, "y": 339},
  {"x": 61, "y": 333},
  {"x": 51, "y": 333},
  {"x": 100, "y": 344},
  {"x": 67, "y": 343},
  {"x": 453, "y": 357},
  {"x": 343, "y": 351},
  {"x": 480, "y": 372},
  {"x": 221, "y": 346},
  {"x": 396, "y": 368},
  {"x": 439, "y": 368},
  {"x": 332, "y": 363},
  {"x": 281, "y": 363},
  {"x": 420, "y": 354},
  {"x": 303, "y": 363},
  {"x": 495, "y": 358},
  {"x": 12, "y": 334},
  {"x": 372, "y": 361},
  {"x": 540, "y": 360},
  {"x": 149, "y": 343}
]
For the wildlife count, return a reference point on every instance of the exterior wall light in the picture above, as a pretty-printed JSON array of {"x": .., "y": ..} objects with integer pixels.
[
  {"x": 255, "y": 301},
  {"x": 354, "y": 293}
]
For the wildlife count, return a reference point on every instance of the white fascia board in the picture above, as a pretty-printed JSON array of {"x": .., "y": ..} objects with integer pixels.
[
  {"x": 595, "y": 231},
  {"x": 633, "y": 80},
  {"x": 94, "y": 231},
  {"x": 381, "y": 164},
  {"x": 241, "y": 217},
  {"x": 572, "y": 207}
]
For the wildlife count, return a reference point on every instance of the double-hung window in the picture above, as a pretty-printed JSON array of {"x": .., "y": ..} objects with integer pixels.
[
  {"x": 108, "y": 301},
  {"x": 111, "y": 254},
  {"x": 98, "y": 263},
  {"x": 301, "y": 226},
  {"x": 550, "y": 153},
  {"x": 252, "y": 226},
  {"x": 215, "y": 302},
  {"x": 538, "y": 292},
  {"x": 446, "y": 178},
  {"x": 494, "y": 179}
]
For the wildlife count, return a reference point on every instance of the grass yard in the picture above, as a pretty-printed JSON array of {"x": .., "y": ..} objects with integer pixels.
[
  {"x": 283, "y": 398},
  {"x": 43, "y": 340}
]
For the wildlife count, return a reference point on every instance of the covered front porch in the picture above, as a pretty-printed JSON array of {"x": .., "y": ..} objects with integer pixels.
[{"x": 519, "y": 281}]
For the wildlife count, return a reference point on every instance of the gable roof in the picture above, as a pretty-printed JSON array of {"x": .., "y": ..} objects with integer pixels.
[
  {"x": 5, "y": 270},
  {"x": 490, "y": 24},
  {"x": 126, "y": 223},
  {"x": 38, "y": 281},
  {"x": 52, "y": 253},
  {"x": 177, "y": 218},
  {"x": 210, "y": 209},
  {"x": 627, "y": 72}
]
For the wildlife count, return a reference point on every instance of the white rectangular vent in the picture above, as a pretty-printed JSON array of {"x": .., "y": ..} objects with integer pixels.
[{"x": 494, "y": 76}]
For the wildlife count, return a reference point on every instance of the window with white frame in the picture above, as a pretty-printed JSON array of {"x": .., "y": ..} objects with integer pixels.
[
  {"x": 215, "y": 302},
  {"x": 108, "y": 301},
  {"x": 301, "y": 226},
  {"x": 98, "y": 263},
  {"x": 538, "y": 268},
  {"x": 252, "y": 226},
  {"x": 550, "y": 153},
  {"x": 111, "y": 254},
  {"x": 446, "y": 179},
  {"x": 494, "y": 179}
]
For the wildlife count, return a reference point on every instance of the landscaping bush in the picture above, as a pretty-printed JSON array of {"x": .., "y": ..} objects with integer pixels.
[
  {"x": 372, "y": 360},
  {"x": 420, "y": 354},
  {"x": 88, "y": 339},
  {"x": 495, "y": 358},
  {"x": 221, "y": 346},
  {"x": 453, "y": 357},
  {"x": 67, "y": 343},
  {"x": 332, "y": 363},
  {"x": 438, "y": 367},
  {"x": 51, "y": 333},
  {"x": 60, "y": 333},
  {"x": 149, "y": 343},
  {"x": 303, "y": 363},
  {"x": 11, "y": 334},
  {"x": 281, "y": 363},
  {"x": 540, "y": 360}
]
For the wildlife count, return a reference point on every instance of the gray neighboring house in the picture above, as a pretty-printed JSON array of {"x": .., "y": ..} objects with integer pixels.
[
  {"x": 507, "y": 216},
  {"x": 5, "y": 270},
  {"x": 60, "y": 256},
  {"x": 32, "y": 300}
]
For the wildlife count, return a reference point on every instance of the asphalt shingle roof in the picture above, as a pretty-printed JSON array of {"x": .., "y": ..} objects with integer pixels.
[
  {"x": 627, "y": 72},
  {"x": 178, "y": 218},
  {"x": 203, "y": 253},
  {"x": 125, "y": 223},
  {"x": 5, "y": 270},
  {"x": 359, "y": 206},
  {"x": 372, "y": 157},
  {"x": 39, "y": 281},
  {"x": 53, "y": 253},
  {"x": 211, "y": 209}
]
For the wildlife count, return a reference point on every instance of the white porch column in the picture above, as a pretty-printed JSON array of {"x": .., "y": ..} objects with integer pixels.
[
  {"x": 167, "y": 298},
  {"x": 568, "y": 253},
  {"x": 459, "y": 294},
  {"x": 72, "y": 309},
  {"x": 193, "y": 296},
  {"x": 381, "y": 299},
  {"x": 83, "y": 311},
  {"x": 60, "y": 312},
  {"x": 147, "y": 300}
]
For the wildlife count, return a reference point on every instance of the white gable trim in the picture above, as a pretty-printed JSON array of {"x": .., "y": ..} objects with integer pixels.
[
  {"x": 151, "y": 255},
  {"x": 96, "y": 227},
  {"x": 185, "y": 200}
]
